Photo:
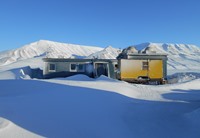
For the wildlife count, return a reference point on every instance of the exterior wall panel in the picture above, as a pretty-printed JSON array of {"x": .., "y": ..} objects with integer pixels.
[
  {"x": 63, "y": 67},
  {"x": 132, "y": 69},
  {"x": 155, "y": 69}
]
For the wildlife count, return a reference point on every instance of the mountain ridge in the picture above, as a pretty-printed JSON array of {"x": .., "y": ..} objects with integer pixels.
[
  {"x": 44, "y": 47},
  {"x": 107, "y": 53},
  {"x": 180, "y": 56}
]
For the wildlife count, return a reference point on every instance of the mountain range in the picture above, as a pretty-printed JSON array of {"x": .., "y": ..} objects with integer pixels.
[
  {"x": 180, "y": 56},
  {"x": 44, "y": 48}
]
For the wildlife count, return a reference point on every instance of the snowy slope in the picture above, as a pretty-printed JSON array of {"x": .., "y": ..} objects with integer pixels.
[
  {"x": 79, "y": 106},
  {"x": 43, "y": 47},
  {"x": 180, "y": 56},
  {"x": 107, "y": 53},
  {"x": 83, "y": 107}
]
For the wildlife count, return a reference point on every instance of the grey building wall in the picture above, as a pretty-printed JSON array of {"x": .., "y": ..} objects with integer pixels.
[{"x": 62, "y": 67}]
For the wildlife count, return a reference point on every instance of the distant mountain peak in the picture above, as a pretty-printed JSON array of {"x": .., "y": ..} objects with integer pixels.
[
  {"x": 108, "y": 47},
  {"x": 107, "y": 53},
  {"x": 41, "y": 47}
]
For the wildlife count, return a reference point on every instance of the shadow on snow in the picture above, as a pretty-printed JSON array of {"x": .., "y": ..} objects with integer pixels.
[{"x": 55, "y": 110}]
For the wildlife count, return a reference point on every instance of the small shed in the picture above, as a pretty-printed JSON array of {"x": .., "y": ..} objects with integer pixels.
[{"x": 142, "y": 67}]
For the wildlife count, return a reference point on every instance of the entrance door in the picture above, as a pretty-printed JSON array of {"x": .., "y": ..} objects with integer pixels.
[{"x": 101, "y": 69}]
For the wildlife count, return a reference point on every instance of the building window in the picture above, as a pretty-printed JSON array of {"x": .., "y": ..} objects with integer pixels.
[
  {"x": 77, "y": 67},
  {"x": 52, "y": 67},
  {"x": 73, "y": 67},
  {"x": 145, "y": 65}
]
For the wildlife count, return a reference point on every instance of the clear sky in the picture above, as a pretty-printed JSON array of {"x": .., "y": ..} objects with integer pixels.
[{"x": 119, "y": 23}]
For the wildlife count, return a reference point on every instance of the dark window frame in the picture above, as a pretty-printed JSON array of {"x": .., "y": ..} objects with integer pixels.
[
  {"x": 52, "y": 67},
  {"x": 79, "y": 67},
  {"x": 73, "y": 67}
]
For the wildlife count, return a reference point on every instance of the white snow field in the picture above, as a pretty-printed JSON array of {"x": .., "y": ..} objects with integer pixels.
[{"x": 82, "y": 107}]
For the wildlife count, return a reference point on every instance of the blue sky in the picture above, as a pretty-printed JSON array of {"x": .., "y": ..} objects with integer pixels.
[{"x": 119, "y": 23}]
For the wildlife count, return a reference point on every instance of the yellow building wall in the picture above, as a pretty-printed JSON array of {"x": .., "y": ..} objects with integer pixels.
[
  {"x": 156, "y": 69},
  {"x": 132, "y": 69}
]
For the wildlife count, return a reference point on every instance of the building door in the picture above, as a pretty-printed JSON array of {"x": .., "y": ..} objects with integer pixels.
[{"x": 101, "y": 69}]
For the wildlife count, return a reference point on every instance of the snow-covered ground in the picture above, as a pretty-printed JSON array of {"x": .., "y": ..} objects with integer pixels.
[
  {"x": 79, "y": 106},
  {"x": 82, "y": 107}
]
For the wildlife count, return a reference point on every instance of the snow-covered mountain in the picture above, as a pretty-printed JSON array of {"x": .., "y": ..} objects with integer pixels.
[
  {"x": 180, "y": 56},
  {"x": 107, "y": 53},
  {"x": 44, "y": 48}
]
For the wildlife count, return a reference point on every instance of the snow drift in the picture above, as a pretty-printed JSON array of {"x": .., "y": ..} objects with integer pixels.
[
  {"x": 79, "y": 106},
  {"x": 101, "y": 108}
]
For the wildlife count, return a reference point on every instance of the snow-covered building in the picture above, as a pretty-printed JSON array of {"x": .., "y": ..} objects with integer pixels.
[
  {"x": 60, "y": 67},
  {"x": 131, "y": 65},
  {"x": 140, "y": 66}
]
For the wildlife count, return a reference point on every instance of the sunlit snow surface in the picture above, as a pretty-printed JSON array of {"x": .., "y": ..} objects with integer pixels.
[
  {"x": 82, "y": 107},
  {"x": 79, "y": 106}
]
